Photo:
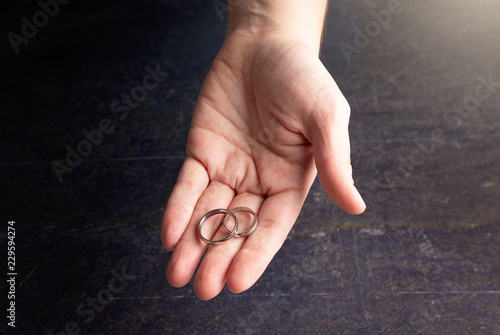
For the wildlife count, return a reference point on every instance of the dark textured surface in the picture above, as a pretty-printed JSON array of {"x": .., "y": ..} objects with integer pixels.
[{"x": 423, "y": 259}]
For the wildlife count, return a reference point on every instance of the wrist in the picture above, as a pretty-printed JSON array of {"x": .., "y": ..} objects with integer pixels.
[{"x": 300, "y": 20}]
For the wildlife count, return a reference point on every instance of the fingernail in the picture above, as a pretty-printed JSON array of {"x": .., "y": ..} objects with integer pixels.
[{"x": 360, "y": 198}]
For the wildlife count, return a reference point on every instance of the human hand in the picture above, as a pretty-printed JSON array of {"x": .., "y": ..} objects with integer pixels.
[{"x": 268, "y": 117}]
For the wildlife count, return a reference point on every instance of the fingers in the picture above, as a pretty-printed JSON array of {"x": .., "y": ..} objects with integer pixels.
[
  {"x": 190, "y": 248},
  {"x": 276, "y": 218},
  {"x": 328, "y": 129},
  {"x": 211, "y": 276},
  {"x": 191, "y": 183}
]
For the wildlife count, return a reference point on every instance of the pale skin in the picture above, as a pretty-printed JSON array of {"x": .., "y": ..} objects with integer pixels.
[{"x": 268, "y": 119}]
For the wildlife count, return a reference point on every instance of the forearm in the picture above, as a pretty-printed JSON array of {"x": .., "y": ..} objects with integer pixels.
[{"x": 299, "y": 19}]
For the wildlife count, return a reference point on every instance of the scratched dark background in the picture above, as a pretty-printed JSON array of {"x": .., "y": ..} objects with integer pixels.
[{"x": 423, "y": 259}]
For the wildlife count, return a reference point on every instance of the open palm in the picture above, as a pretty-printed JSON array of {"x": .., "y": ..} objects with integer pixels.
[{"x": 268, "y": 117}]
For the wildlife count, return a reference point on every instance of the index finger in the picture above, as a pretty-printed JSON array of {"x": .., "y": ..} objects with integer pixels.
[{"x": 276, "y": 218}]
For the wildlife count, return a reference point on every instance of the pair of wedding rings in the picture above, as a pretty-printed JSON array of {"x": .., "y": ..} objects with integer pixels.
[{"x": 228, "y": 214}]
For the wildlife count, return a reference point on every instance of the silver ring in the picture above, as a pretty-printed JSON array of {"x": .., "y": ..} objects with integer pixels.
[
  {"x": 230, "y": 232},
  {"x": 237, "y": 210}
]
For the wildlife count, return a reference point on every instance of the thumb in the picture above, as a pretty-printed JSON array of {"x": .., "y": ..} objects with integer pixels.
[{"x": 329, "y": 134}]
